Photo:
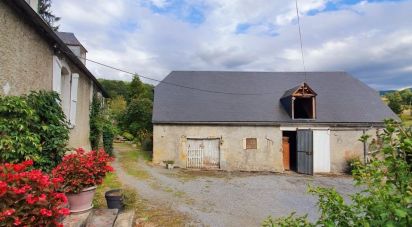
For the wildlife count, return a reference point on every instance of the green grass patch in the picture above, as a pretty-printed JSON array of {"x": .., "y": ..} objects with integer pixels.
[
  {"x": 406, "y": 119},
  {"x": 129, "y": 159}
]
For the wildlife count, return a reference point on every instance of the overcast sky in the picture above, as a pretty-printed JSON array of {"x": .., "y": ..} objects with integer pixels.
[{"x": 372, "y": 39}]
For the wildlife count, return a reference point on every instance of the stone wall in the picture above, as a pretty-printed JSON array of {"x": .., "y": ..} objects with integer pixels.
[
  {"x": 25, "y": 58},
  {"x": 345, "y": 145},
  {"x": 170, "y": 144}
]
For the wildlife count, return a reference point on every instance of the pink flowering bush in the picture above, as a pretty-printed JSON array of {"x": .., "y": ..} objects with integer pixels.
[
  {"x": 83, "y": 169},
  {"x": 30, "y": 197}
]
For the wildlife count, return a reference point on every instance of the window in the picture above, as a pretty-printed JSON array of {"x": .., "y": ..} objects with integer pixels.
[
  {"x": 303, "y": 108},
  {"x": 300, "y": 102},
  {"x": 251, "y": 143}
]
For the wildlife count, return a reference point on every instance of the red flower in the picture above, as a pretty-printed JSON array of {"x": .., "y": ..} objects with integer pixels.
[
  {"x": 61, "y": 197},
  {"x": 17, "y": 221},
  {"x": 64, "y": 211},
  {"x": 9, "y": 212},
  {"x": 31, "y": 199},
  {"x": 27, "y": 188},
  {"x": 28, "y": 163},
  {"x": 3, "y": 188},
  {"x": 42, "y": 198},
  {"x": 45, "y": 212},
  {"x": 83, "y": 169},
  {"x": 19, "y": 167}
]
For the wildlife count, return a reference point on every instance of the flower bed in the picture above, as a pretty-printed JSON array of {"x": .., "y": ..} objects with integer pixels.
[{"x": 30, "y": 196}]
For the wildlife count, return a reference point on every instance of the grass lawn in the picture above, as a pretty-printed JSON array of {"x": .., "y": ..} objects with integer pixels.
[{"x": 129, "y": 158}]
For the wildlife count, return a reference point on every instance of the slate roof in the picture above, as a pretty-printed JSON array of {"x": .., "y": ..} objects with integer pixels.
[
  {"x": 69, "y": 38},
  {"x": 255, "y": 97}
]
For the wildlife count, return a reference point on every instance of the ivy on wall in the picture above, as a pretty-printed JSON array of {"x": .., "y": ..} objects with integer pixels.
[{"x": 33, "y": 127}]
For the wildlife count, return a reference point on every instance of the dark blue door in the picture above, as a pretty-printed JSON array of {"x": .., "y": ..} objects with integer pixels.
[{"x": 304, "y": 151}]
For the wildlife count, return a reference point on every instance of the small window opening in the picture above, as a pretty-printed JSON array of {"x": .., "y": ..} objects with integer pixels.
[
  {"x": 303, "y": 108},
  {"x": 251, "y": 143}
]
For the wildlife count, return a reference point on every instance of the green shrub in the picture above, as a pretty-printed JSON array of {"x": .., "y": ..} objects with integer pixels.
[
  {"x": 109, "y": 132},
  {"x": 147, "y": 144},
  {"x": 386, "y": 181},
  {"x": 128, "y": 136},
  {"x": 95, "y": 122},
  {"x": 351, "y": 163},
  {"x": 33, "y": 127}
]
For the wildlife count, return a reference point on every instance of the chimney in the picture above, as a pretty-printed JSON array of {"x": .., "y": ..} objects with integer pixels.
[
  {"x": 34, "y": 5},
  {"x": 73, "y": 43}
]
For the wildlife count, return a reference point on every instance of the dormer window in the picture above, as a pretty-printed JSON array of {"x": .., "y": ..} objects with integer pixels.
[{"x": 300, "y": 102}]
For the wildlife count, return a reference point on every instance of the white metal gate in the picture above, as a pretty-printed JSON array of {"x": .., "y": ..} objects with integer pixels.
[{"x": 203, "y": 153}]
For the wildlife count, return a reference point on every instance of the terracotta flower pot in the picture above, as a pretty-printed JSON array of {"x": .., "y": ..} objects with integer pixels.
[{"x": 82, "y": 201}]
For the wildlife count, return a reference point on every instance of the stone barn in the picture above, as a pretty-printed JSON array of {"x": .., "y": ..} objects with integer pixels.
[{"x": 264, "y": 121}]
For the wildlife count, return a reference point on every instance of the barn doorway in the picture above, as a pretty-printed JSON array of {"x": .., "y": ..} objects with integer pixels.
[
  {"x": 289, "y": 150},
  {"x": 203, "y": 153}
]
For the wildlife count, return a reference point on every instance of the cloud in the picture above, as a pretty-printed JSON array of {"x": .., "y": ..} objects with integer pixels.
[{"x": 370, "y": 39}]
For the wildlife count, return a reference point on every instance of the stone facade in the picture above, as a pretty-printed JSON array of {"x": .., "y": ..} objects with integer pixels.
[
  {"x": 170, "y": 143},
  {"x": 26, "y": 64},
  {"x": 25, "y": 58}
]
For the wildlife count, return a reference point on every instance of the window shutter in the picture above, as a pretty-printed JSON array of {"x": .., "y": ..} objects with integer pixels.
[
  {"x": 57, "y": 77},
  {"x": 73, "y": 99}
]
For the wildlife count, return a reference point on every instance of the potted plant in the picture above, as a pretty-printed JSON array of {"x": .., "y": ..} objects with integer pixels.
[
  {"x": 169, "y": 164},
  {"x": 82, "y": 172},
  {"x": 29, "y": 197}
]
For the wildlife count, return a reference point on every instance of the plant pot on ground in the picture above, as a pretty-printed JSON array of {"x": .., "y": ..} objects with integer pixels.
[
  {"x": 114, "y": 199},
  {"x": 82, "y": 172},
  {"x": 170, "y": 164}
]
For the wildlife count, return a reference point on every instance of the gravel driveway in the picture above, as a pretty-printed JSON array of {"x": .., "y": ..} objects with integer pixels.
[{"x": 231, "y": 199}]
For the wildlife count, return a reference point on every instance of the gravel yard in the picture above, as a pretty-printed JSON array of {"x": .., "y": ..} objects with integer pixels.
[{"x": 216, "y": 198}]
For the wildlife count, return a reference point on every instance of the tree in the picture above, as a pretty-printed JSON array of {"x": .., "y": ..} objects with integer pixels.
[
  {"x": 47, "y": 15},
  {"x": 395, "y": 102},
  {"x": 117, "y": 107},
  {"x": 386, "y": 183},
  {"x": 138, "y": 117},
  {"x": 138, "y": 89},
  {"x": 115, "y": 87}
]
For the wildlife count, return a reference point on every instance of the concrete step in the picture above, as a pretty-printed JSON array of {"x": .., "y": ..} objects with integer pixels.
[
  {"x": 125, "y": 219},
  {"x": 76, "y": 220},
  {"x": 102, "y": 218}
]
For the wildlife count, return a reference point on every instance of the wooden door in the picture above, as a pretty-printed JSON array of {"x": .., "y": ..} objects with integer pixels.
[
  {"x": 304, "y": 151},
  {"x": 286, "y": 153}
]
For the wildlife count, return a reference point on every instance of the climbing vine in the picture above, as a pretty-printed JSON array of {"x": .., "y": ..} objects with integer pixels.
[{"x": 33, "y": 127}]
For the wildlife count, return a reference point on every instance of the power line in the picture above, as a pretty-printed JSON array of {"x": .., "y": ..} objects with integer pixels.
[
  {"x": 300, "y": 39},
  {"x": 165, "y": 82}
]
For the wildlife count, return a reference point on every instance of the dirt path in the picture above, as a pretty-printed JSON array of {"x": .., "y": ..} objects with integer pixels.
[{"x": 230, "y": 199}]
